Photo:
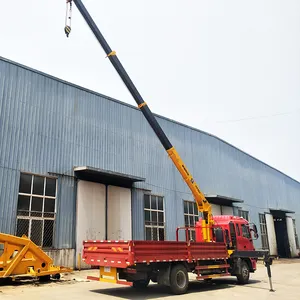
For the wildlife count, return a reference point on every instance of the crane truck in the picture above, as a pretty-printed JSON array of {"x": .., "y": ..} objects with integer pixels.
[{"x": 223, "y": 245}]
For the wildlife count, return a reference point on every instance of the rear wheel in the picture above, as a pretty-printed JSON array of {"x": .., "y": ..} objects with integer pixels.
[
  {"x": 140, "y": 284},
  {"x": 179, "y": 280},
  {"x": 208, "y": 280},
  {"x": 243, "y": 278}
]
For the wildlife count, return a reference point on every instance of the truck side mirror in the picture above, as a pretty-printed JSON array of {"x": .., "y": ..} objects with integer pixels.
[
  {"x": 255, "y": 235},
  {"x": 255, "y": 232},
  {"x": 254, "y": 228}
]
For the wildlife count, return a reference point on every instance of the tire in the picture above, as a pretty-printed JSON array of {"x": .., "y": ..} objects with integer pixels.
[
  {"x": 140, "y": 284},
  {"x": 208, "y": 280},
  {"x": 243, "y": 278},
  {"x": 45, "y": 278},
  {"x": 179, "y": 280},
  {"x": 56, "y": 276},
  {"x": 5, "y": 281}
]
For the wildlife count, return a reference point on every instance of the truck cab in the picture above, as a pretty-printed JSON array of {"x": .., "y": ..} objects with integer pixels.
[
  {"x": 238, "y": 236},
  {"x": 234, "y": 231}
]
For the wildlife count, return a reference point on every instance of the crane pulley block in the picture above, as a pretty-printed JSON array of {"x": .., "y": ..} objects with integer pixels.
[{"x": 68, "y": 17}]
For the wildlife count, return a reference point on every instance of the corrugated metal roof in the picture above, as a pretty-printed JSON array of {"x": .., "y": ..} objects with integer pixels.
[{"x": 133, "y": 107}]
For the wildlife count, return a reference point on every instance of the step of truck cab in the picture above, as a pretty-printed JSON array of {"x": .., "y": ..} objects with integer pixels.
[
  {"x": 211, "y": 276},
  {"x": 207, "y": 267},
  {"x": 212, "y": 271}
]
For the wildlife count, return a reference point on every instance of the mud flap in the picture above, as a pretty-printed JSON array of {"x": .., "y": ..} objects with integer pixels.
[
  {"x": 237, "y": 267},
  {"x": 163, "y": 277},
  {"x": 108, "y": 274}
]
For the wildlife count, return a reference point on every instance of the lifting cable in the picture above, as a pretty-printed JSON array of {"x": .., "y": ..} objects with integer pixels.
[{"x": 68, "y": 17}]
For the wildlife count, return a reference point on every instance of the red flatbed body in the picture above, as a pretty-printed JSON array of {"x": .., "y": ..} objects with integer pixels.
[{"x": 123, "y": 254}]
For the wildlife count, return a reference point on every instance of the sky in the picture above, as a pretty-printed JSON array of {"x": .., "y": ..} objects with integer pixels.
[{"x": 230, "y": 68}]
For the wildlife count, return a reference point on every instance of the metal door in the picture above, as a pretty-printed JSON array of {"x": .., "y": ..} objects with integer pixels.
[{"x": 271, "y": 234}]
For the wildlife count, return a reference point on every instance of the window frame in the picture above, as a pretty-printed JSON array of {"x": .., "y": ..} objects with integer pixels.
[
  {"x": 241, "y": 213},
  {"x": 152, "y": 226},
  {"x": 31, "y": 217},
  {"x": 247, "y": 232},
  {"x": 237, "y": 229},
  {"x": 263, "y": 231},
  {"x": 192, "y": 232}
]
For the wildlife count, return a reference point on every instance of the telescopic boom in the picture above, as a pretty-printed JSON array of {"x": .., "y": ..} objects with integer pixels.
[{"x": 202, "y": 203}]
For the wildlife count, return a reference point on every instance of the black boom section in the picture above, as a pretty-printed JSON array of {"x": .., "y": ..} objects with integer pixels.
[{"x": 124, "y": 76}]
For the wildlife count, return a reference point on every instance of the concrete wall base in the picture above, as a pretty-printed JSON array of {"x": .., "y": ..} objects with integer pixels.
[{"x": 62, "y": 257}]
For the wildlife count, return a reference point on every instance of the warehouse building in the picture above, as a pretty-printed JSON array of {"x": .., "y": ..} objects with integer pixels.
[{"x": 76, "y": 165}]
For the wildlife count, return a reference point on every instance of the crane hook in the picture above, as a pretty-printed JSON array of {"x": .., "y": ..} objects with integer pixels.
[{"x": 68, "y": 17}]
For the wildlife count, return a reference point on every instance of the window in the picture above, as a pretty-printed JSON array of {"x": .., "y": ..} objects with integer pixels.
[
  {"x": 296, "y": 235},
  {"x": 227, "y": 239},
  {"x": 191, "y": 216},
  {"x": 232, "y": 234},
  {"x": 36, "y": 209},
  {"x": 238, "y": 229},
  {"x": 245, "y": 231},
  {"x": 154, "y": 217},
  {"x": 263, "y": 231},
  {"x": 244, "y": 214}
]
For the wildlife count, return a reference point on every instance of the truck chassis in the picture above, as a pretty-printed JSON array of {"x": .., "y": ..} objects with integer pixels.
[{"x": 135, "y": 263}]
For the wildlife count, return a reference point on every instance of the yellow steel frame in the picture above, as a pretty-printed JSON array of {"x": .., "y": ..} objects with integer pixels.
[
  {"x": 202, "y": 203},
  {"x": 22, "y": 258}
]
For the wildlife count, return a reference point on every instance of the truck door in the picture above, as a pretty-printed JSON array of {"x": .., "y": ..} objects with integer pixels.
[
  {"x": 245, "y": 239},
  {"x": 291, "y": 237},
  {"x": 232, "y": 235},
  {"x": 271, "y": 234}
]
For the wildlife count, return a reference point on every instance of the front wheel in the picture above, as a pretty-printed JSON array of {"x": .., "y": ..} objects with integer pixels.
[
  {"x": 179, "y": 280},
  {"x": 243, "y": 278}
]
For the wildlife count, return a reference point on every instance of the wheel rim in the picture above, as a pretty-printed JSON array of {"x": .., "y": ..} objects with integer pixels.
[
  {"x": 245, "y": 272},
  {"x": 181, "y": 279}
]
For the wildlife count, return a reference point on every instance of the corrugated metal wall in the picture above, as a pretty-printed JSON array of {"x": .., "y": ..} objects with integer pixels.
[
  {"x": 47, "y": 125},
  {"x": 66, "y": 207}
]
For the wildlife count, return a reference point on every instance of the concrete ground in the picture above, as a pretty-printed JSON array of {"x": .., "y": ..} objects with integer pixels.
[{"x": 286, "y": 281}]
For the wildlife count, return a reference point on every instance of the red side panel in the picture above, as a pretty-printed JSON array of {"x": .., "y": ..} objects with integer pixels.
[
  {"x": 205, "y": 251},
  {"x": 122, "y": 254},
  {"x": 108, "y": 253},
  {"x": 159, "y": 251}
]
